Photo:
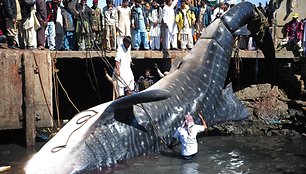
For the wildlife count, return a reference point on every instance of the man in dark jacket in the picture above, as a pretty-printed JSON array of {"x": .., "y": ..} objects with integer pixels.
[
  {"x": 97, "y": 24},
  {"x": 69, "y": 29},
  {"x": 12, "y": 16},
  {"x": 41, "y": 14},
  {"x": 203, "y": 17},
  {"x": 83, "y": 26}
]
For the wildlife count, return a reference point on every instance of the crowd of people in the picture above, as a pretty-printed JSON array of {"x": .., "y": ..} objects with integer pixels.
[{"x": 152, "y": 24}]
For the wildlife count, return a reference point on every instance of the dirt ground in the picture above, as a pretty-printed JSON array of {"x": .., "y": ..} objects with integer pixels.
[{"x": 271, "y": 113}]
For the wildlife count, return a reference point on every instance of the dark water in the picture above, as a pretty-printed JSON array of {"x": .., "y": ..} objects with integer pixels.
[{"x": 222, "y": 155}]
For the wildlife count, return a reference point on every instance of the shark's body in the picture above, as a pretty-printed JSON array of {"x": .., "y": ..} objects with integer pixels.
[{"x": 131, "y": 126}]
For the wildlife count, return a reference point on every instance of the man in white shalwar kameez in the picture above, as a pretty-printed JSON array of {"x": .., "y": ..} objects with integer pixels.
[
  {"x": 124, "y": 21},
  {"x": 30, "y": 25},
  {"x": 123, "y": 74},
  {"x": 155, "y": 18},
  {"x": 171, "y": 27}
]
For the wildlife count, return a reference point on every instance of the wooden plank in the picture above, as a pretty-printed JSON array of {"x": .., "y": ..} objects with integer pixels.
[
  {"x": 10, "y": 90},
  {"x": 29, "y": 102},
  {"x": 38, "y": 92},
  {"x": 43, "y": 89},
  {"x": 40, "y": 72}
]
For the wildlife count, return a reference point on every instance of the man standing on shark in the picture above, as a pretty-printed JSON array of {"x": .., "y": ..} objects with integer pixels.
[{"x": 123, "y": 74}]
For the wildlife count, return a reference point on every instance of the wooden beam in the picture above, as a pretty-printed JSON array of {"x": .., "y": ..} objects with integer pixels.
[
  {"x": 28, "y": 99},
  {"x": 38, "y": 92}
]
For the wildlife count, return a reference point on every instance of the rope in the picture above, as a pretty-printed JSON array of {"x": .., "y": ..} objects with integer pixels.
[
  {"x": 79, "y": 121},
  {"x": 57, "y": 81},
  {"x": 67, "y": 94},
  {"x": 237, "y": 59},
  {"x": 91, "y": 82},
  {"x": 55, "y": 85}
]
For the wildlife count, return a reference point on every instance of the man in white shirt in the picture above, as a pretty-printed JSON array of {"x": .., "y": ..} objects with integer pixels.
[
  {"x": 123, "y": 74},
  {"x": 155, "y": 17},
  {"x": 187, "y": 135},
  {"x": 124, "y": 21},
  {"x": 171, "y": 27}
]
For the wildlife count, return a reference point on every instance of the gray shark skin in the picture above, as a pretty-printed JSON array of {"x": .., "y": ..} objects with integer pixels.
[{"x": 131, "y": 126}]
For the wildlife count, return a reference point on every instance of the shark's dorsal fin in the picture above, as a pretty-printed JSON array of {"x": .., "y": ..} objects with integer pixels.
[{"x": 123, "y": 107}]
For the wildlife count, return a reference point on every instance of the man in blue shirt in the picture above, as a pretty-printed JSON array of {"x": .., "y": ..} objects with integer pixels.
[{"x": 139, "y": 22}]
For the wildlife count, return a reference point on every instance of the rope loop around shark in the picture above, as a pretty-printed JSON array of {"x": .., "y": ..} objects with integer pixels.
[{"x": 123, "y": 129}]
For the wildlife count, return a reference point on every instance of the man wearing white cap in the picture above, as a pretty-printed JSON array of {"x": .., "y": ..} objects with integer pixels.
[{"x": 187, "y": 135}]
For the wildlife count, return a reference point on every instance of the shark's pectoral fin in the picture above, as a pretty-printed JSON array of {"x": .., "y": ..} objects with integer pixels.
[
  {"x": 123, "y": 107},
  {"x": 141, "y": 97},
  {"x": 126, "y": 116}
]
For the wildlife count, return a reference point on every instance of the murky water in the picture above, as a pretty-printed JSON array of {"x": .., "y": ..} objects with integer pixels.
[{"x": 217, "y": 155}]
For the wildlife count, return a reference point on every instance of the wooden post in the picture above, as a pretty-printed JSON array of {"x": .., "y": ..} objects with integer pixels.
[
  {"x": 28, "y": 99},
  {"x": 38, "y": 92}
]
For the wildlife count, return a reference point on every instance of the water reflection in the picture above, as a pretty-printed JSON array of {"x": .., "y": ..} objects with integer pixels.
[
  {"x": 231, "y": 162},
  {"x": 235, "y": 160},
  {"x": 190, "y": 168}
]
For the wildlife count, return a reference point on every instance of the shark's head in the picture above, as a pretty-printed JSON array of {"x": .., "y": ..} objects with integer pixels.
[{"x": 67, "y": 151}]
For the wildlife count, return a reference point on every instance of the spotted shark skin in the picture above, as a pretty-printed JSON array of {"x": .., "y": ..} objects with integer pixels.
[{"x": 131, "y": 126}]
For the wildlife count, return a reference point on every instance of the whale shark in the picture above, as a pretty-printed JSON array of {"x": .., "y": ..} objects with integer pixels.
[{"x": 143, "y": 123}]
